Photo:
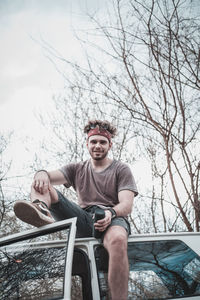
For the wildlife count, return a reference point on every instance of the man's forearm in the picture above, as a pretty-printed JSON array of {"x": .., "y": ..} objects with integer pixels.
[
  {"x": 123, "y": 209},
  {"x": 55, "y": 177}
]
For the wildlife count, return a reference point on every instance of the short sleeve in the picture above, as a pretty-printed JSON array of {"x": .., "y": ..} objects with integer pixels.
[
  {"x": 69, "y": 171},
  {"x": 126, "y": 180}
]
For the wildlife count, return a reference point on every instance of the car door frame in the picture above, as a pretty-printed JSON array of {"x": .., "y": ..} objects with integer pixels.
[{"x": 36, "y": 232}]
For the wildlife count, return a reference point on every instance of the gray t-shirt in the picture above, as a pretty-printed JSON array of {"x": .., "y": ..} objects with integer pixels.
[{"x": 99, "y": 188}]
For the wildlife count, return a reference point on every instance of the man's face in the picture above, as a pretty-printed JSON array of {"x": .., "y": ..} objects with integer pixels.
[{"x": 98, "y": 146}]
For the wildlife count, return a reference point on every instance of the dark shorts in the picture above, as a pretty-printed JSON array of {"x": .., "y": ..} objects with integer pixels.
[{"x": 66, "y": 209}]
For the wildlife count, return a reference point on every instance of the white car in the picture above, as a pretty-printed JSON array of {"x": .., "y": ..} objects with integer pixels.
[{"x": 49, "y": 263}]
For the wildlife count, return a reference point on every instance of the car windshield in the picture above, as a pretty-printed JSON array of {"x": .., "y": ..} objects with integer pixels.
[{"x": 158, "y": 270}]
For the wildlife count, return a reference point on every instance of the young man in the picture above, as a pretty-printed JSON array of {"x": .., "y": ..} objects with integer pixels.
[{"x": 98, "y": 182}]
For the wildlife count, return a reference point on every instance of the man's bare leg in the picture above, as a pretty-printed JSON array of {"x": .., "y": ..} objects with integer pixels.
[
  {"x": 49, "y": 195},
  {"x": 115, "y": 241}
]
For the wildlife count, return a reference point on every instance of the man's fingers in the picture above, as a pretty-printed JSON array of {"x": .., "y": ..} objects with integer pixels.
[
  {"x": 36, "y": 185},
  {"x": 101, "y": 225},
  {"x": 41, "y": 186},
  {"x": 107, "y": 219}
]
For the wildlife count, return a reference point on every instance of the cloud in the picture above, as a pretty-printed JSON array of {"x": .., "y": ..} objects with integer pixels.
[
  {"x": 25, "y": 73},
  {"x": 10, "y": 7}
]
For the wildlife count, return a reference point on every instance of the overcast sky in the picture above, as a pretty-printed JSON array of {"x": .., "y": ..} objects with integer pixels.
[{"x": 28, "y": 80}]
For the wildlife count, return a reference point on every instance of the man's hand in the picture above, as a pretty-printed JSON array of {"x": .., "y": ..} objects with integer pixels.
[
  {"x": 102, "y": 224},
  {"x": 41, "y": 182}
]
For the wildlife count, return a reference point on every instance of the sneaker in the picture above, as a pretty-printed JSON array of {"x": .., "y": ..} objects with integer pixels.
[{"x": 35, "y": 213}]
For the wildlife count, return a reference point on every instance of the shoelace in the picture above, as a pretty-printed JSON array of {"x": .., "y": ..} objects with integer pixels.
[{"x": 41, "y": 204}]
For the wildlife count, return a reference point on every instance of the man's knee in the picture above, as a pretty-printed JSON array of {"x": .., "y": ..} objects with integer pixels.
[
  {"x": 116, "y": 239},
  {"x": 49, "y": 193},
  {"x": 53, "y": 194}
]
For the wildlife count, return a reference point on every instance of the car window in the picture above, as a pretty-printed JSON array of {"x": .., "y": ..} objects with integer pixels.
[
  {"x": 158, "y": 270},
  {"x": 33, "y": 264}
]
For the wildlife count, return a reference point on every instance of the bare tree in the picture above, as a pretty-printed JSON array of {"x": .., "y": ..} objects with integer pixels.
[
  {"x": 10, "y": 189},
  {"x": 4, "y": 168},
  {"x": 146, "y": 79},
  {"x": 154, "y": 46}
]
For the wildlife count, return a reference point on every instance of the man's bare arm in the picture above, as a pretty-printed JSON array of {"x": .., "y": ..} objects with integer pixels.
[
  {"x": 122, "y": 209},
  {"x": 43, "y": 180},
  {"x": 125, "y": 205},
  {"x": 57, "y": 177}
]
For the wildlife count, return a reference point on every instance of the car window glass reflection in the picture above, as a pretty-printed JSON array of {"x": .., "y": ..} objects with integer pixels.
[{"x": 34, "y": 269}]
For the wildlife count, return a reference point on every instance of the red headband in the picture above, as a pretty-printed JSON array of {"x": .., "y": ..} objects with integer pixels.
[{"x": 98, "y": 131}]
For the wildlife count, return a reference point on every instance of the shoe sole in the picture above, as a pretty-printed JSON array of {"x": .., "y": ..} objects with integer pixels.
[{"x": 27, "y": 213}]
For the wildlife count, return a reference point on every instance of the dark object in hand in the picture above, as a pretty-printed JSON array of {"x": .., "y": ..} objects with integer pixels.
[{"x": 99, "y": 214}]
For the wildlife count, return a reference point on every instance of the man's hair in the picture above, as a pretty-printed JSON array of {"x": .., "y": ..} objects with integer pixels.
[{"x": 101, "y": 124}]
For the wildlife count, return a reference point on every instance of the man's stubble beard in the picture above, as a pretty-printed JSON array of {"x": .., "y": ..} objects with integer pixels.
[{"x": 99, "y": 158}]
